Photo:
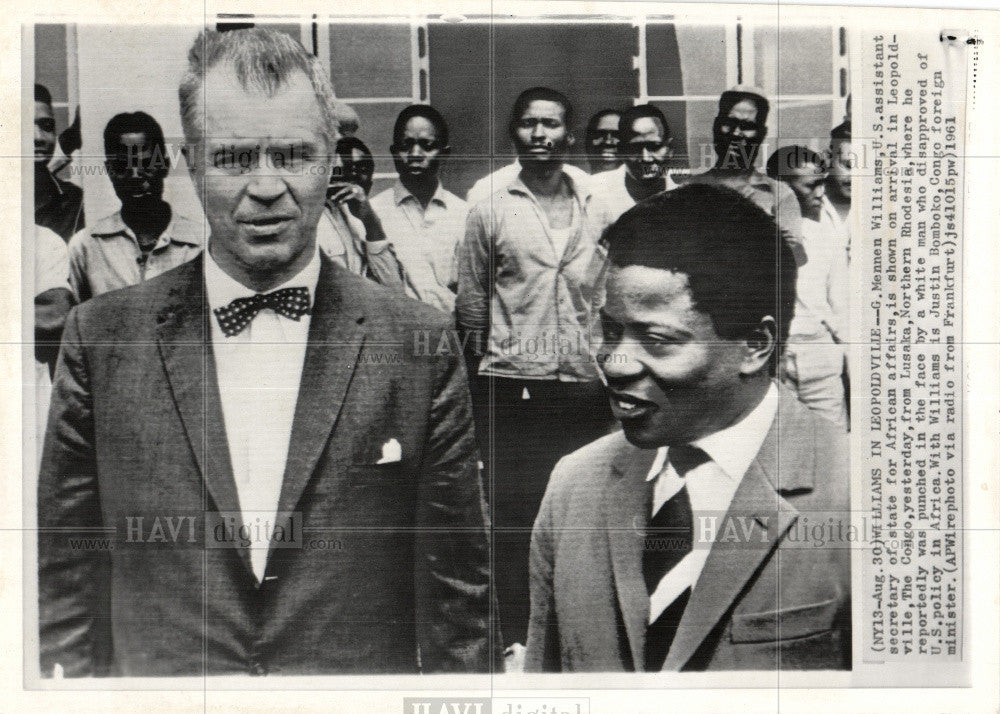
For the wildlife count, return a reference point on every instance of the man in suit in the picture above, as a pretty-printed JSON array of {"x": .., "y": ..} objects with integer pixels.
[
  {"x": 270, "y": 479},
  {"x": 677, "y": 543}
]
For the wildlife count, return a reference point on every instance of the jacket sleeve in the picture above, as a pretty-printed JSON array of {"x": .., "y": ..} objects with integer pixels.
[
  {"x": 78, "y": 269},
  {"x": 452, "y": 573},
  {"x": 70, "y": 556},
  {"x": 51, "y": 308},
  {"x": 543, "y": 653}
]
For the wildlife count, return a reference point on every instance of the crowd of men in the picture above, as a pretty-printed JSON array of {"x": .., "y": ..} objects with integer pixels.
[{"x": 619, "y": 329}]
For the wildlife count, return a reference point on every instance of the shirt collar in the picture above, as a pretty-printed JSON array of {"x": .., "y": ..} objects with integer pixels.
[
  {"x": 114, "y": 225},
  {"x": 734, "y": 448},
  {"x": 223, "y": 289},
  {"x": 753, "y": 178},
  {"x": 400, "y": 193},
  {"x": 581, "y": 192}
]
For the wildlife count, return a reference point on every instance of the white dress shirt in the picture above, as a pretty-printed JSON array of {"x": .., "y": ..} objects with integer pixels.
[
  {"x": 259, "y": 371},
  {"x": 711, "y": 487}
]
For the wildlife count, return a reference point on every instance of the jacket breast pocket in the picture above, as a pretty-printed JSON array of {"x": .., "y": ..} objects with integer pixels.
[{"x": 785, "y": 624}]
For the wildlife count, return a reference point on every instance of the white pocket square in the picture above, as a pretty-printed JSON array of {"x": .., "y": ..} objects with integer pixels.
[{"x": 391, "y": 452}]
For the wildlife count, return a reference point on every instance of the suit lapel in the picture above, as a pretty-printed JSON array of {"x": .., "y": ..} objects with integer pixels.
[
  {"x": 336, "y": 334},
  {"x": 730, "y": 565},
  {"x": 185, "y": 345},
  {"x": 627, "y": 503}
]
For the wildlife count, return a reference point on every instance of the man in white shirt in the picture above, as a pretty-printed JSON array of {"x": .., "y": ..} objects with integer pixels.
[
  {"x": 645, "y": 149},
  {"x": 255, "y": 429},
  {"x": 662, "y": 547},
  {"x": 146, "y": 237},
  {"x": 813, "y": 363},
  {"x": 424, "y": 221}
]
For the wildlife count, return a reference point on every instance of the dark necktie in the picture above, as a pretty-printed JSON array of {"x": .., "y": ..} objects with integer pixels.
[
  {"x": 292, "y": 303},
  {"x": 669, "y": 537}
]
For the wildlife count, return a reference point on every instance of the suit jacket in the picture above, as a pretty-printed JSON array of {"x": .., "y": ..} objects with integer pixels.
[
  {"x": 391, "y": 572},
  {"x": 764, "y": 600}
]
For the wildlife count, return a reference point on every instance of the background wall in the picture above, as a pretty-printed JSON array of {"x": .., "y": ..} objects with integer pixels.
[{"x": 471, "y": 72}]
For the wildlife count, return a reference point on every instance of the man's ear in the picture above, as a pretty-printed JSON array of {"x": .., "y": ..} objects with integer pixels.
[
  {"x": 760, "y": 345},
  {"x": 445, "y": 150},
  {"x": 188, "y": 153}
]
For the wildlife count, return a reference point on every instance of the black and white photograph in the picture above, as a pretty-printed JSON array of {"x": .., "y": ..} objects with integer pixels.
[{"x": 495, "y": 348}]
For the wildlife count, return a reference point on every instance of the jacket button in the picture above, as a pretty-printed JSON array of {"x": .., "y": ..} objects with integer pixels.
[{"x": 257, "y": 668}]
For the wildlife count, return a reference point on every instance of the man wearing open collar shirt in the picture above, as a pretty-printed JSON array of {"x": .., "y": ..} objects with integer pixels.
[
  {"x": 679, "y": 542},
  {"x": 424, "y": 220},
  {"x": 524, "y": 291}
]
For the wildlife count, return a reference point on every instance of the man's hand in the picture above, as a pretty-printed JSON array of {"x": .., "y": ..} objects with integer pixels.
[
  {"x": 340, "y": 193},
  {"x": 345, "y": 192},
  {"x": 70, "y": 140}
]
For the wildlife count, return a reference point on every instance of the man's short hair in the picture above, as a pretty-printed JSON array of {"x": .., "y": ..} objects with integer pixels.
[
  {"x": 730, "y": 98},
  {"x": 632, "y": 114},
  {"x": 42, "y": 94},
  {"x": 789, "y": 158},
  {"x": 540, "y": 94},
  {"x": 132, "y": 123},
  {"x": 841, "y": 132},
  {"x": 739, "y": 268},
  {"x": 263, "y": 61},
  {"x": 596, "y": 119},
  {"x": 427, "y": 112},
  {"x": 348, "y": 121}
]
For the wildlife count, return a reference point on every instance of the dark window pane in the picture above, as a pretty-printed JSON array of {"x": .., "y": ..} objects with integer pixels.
[
  {"x": 50, "y": 61},
  {"x": 703, "y": 56},
  {"x": 370, "y": 60}
]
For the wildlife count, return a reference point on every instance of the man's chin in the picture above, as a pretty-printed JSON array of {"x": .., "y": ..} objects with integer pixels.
[
  {"x": 640, "y": 437},
  {"x": 540, "y": 159}
]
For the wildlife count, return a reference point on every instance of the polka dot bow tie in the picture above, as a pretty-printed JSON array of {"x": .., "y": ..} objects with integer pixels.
[{"x": 293, "y": 303}]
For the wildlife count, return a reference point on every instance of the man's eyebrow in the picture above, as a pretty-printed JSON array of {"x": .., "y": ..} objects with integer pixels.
[
  {"x": 646, "y": 326},
  {"x": 664, "y": 327}
]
